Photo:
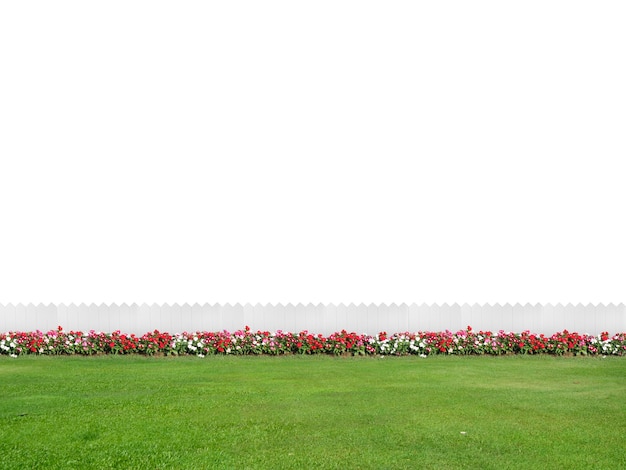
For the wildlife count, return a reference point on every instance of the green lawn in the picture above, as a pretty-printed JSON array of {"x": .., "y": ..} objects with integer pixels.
[{"x": 312, "y": 412}]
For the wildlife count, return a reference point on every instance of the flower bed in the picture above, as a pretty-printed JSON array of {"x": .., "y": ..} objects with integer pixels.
[{"x": 247, "y": 342}]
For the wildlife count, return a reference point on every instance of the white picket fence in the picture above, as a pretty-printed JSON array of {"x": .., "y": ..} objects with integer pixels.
[{"x": 325, "y": 319}]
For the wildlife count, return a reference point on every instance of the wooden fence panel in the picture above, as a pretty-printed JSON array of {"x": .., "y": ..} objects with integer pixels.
[{"x": 325, "y": 319}]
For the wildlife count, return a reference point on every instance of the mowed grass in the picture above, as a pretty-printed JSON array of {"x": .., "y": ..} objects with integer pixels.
[{"x": 312, "y": 412}]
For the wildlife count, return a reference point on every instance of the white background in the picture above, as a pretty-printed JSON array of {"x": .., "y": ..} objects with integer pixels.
[{"x": 312, "y": 151}]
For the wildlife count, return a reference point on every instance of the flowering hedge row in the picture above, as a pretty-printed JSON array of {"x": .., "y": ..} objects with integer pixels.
[{"x": 247, "y": 342}]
